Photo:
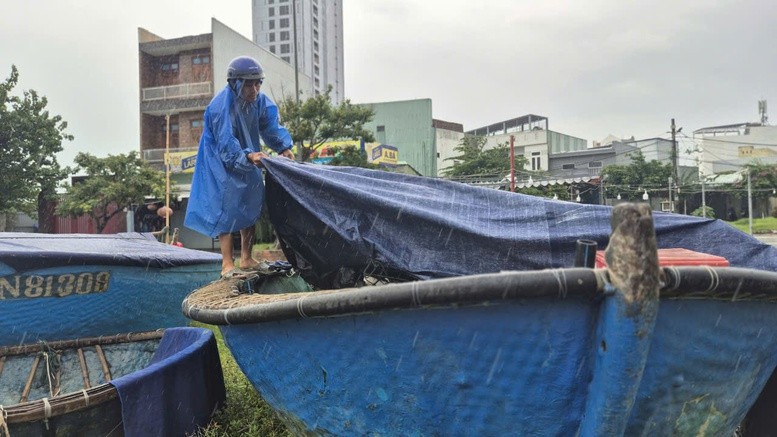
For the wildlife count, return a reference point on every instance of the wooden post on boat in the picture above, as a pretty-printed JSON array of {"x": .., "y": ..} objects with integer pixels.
[
  {"x": 626, "y": 321},
  {"x": 167, "y": 180}
]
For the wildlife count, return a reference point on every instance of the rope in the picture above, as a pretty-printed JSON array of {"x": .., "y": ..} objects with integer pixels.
[
  {"x": 46, "y": 412},
  {"x": 48, "y": 374},
  {"x": 562, "y": 284},
  {"x": 4, "y": 422},
  {"x": 86, "y": 396},
  {"x": 300, "y": 310}
]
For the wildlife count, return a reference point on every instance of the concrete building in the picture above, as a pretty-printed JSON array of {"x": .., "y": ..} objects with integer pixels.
[
  {"x": 178, "y": 78},
  {"x": 422, "y": 141},
  {"x": 590, "y": 162},
  {"x": 531, "y": 139},
  {"x": 408, "y": 126},
  {"x": 319, "y": 45},
  {"x": 447, "y": 135},
  {"x": 730, "y": 147}
]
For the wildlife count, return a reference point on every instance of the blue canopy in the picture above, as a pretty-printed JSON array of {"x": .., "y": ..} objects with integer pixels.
[{"x": 341, "y": 223}]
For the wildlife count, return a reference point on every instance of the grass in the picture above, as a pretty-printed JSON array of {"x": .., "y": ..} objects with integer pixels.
[
  {"x": 263, "y": 246},
  {"x": 760, "y": 225},
  {"x": 245, "y": 412}
]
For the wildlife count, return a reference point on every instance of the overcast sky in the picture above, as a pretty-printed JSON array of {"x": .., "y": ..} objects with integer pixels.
[{"x": 593, "y": 67}]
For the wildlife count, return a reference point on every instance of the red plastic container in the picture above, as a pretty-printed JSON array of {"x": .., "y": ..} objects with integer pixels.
[{"x": 677, "y": 257}]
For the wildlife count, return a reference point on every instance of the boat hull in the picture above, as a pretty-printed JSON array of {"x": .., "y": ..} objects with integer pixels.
[
  {"x": 70, "y": 302},
  {"x": 513, "y": 368},
  {"x": 64, "y": 286}
]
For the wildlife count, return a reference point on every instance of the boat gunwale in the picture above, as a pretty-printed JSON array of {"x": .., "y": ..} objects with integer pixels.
[
  {"x": 72, "y": 401},
  {"x": 692, "y": 282}
]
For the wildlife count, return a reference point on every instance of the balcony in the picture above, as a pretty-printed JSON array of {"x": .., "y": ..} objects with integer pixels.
[{"x": 180, "y": 91}]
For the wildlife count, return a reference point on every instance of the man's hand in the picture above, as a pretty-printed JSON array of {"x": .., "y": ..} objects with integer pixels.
[
  {"x": 256, "y": 157},
  {"x": 288, "y": 154}
]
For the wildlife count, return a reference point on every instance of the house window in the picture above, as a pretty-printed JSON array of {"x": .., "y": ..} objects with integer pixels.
[
  {"x": 169, "y": 67},
  {"x": 536, "y": 161},
  {"x": 284, "y": 23},
  {"x": 271, "y": 25},
  {"x": 272, "y": 37},
  {"x": 272, "y": 49},
  {"x": 284, "y": 35},
  {"x": 568, "y": 166},
  {"x": 283, "y": 10},
  {"x": 271, "y": 12},
  {"x": 196, "y": 124},
  {"x": 173, "y": 128},
  {"x": 286, "y": 58},
  {"x": 318, "y": 84},
  {"x": 315, "y": 34},
  {"x": 200, "y": 59},
  {"x": 269, "y": 2},
  {"x": 381, "y": 128},
  {"x": 595, "y": 164},
  {"x": 285, "y": 48}
]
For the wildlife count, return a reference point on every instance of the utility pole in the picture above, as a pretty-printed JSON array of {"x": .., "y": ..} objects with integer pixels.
[
  {"x": 512, "y": 163},
  {"x": 296, "y": 65},
  {"x": 296, "y": 71},
  {"x": 703, "y": 199},
  {"x": 674, "y": 162},
  {"x": 749, "y": 203}
]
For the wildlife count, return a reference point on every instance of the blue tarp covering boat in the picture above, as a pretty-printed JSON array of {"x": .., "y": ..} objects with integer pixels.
[
  {"x": 65, "y": 286},
  {"x": 341, "y": 223}
]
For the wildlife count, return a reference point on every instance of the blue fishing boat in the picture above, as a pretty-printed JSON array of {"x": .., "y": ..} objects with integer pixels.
[
  {"x": 153, "y": 383},
  {"x": 64, "y": 286},
  {"x": 633, "y": 349}
]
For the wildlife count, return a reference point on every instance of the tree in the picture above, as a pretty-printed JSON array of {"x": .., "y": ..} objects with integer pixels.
[
  {"x": 351, "y": 156},
  {"x": 316, "y": 120},
  {"x": 30, "y": 137},
  {"x": 628, "y": 180},
  {"x": 116, "y": 181},
  {"x": 763, "y": 180},
  {"x": 474, "y": 159}
]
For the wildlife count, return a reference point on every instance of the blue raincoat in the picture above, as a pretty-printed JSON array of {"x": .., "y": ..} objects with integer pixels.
[{"x": 227, "y": 189}]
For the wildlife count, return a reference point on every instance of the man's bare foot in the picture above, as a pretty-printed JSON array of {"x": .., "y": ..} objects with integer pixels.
[{"x": 249, "y": 264}]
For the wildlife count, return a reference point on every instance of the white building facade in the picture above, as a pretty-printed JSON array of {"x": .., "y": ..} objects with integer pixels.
[
  {"x": 319, "y": 30},
  {"x": 730, "y": 147}
]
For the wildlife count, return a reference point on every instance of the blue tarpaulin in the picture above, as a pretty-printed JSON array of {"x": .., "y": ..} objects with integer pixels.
[
  {"x": 179, "y": 390},
  {"x": 340, "y": 223},
  {"x": 28, "y": 251}
]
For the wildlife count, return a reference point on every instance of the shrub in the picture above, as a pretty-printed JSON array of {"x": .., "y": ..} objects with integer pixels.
[{"x": 698, "y": 212}]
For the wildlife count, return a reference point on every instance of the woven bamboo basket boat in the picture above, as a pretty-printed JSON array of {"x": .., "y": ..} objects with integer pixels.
[{"x": 74, "y": 387}]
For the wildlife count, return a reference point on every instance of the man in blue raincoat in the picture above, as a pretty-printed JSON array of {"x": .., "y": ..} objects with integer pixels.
[{"x": 227, "y": 188}]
